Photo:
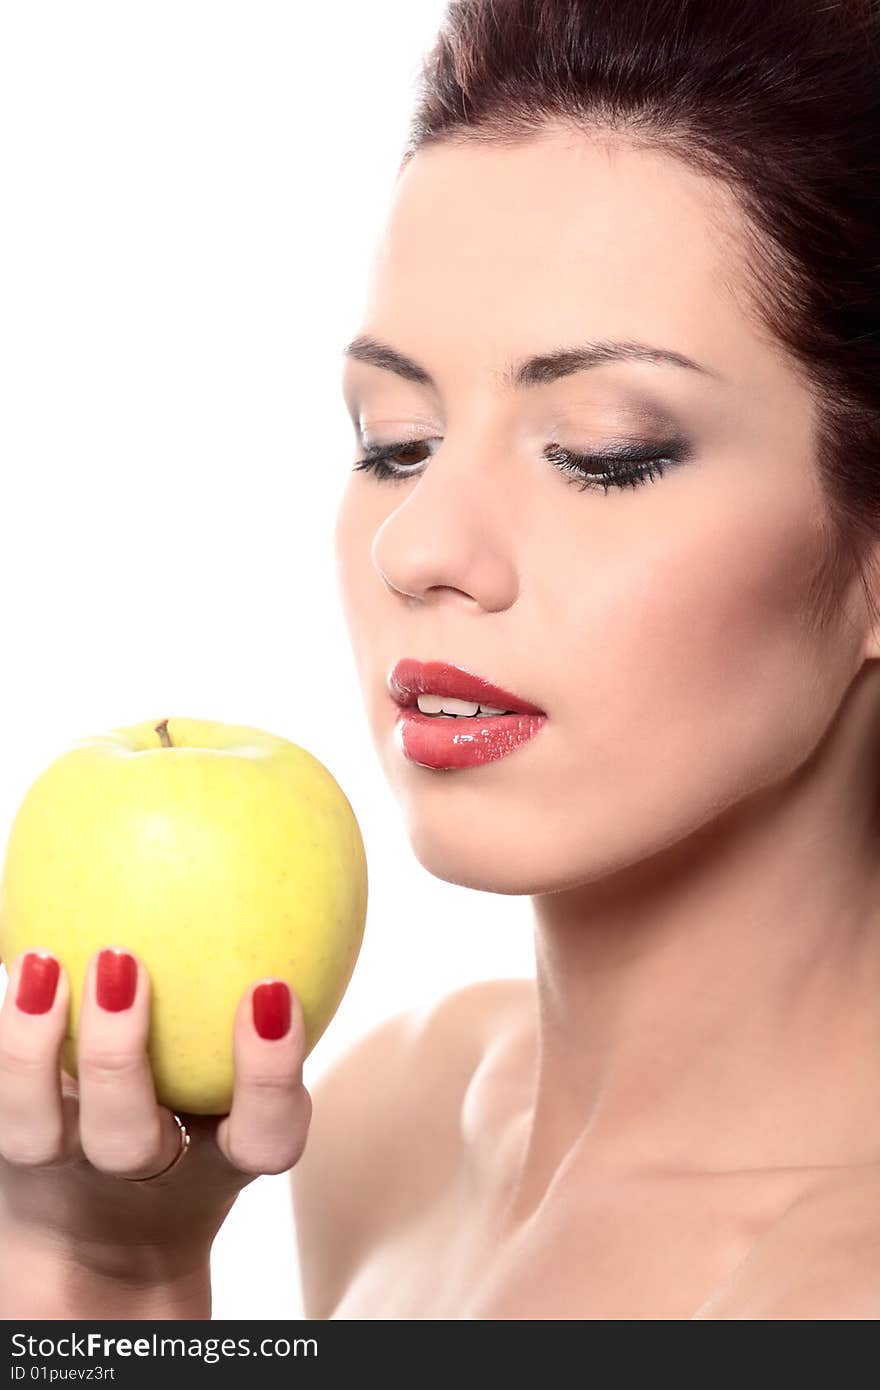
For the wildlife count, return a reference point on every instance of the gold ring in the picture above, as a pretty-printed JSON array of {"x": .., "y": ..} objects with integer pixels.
[{"x": 184, "y": 1145}]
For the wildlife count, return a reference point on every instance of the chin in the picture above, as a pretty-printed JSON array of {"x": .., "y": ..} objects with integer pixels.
[
  {"x": 515, "y": 861},
  {"x": 525, "y": 853}
]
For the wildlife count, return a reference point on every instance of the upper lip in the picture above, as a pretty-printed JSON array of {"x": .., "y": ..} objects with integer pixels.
[{"x": 409, "y": 679}]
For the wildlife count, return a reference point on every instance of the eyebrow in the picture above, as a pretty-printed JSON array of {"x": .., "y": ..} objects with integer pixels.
[{"x": 530, "y": 371}]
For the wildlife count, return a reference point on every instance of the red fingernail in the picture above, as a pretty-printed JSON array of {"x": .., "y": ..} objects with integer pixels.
[
  {"x": 37, "y": 983},
  {"x": 271, "y": 1007},
  {"x": 116, "y": 983}
]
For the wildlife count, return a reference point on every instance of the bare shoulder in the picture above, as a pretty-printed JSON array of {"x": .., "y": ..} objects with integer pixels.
[
  {"x": 385, "y": 1125},
  {"x": 819, "y": 1261}
]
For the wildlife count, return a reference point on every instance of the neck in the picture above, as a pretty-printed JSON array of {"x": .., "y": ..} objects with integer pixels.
[{"x": 717, "y": 1007}]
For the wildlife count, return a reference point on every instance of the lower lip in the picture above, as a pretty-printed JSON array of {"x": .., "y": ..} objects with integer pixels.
[{"x": 450, "y": 743}]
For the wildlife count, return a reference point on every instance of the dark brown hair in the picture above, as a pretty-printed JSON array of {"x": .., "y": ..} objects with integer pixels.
[{"x": 779, "y": 99}]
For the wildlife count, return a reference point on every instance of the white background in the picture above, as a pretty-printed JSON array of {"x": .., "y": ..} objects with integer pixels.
[{"x": 190, "y": 196}]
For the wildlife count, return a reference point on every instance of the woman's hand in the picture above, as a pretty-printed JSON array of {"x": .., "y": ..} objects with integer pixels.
[{"x": 67, "y": 1145}]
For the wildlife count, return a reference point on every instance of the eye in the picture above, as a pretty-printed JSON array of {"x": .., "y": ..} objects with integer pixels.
[
  {"x": 378, "y": 457},
  {"x": 624, "y": 467}
]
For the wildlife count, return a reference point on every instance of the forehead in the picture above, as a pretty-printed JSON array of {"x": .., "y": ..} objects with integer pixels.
[{"x": 557, "y": 240}]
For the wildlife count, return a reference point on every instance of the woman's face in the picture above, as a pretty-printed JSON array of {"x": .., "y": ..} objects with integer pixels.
[{"x": 665, "y": 628}]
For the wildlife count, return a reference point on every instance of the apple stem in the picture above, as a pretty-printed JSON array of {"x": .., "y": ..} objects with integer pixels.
[{"x": 162, "y": 731}]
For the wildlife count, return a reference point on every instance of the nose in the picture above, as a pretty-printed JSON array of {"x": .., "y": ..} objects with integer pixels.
[{"x": 450, "y": 540}]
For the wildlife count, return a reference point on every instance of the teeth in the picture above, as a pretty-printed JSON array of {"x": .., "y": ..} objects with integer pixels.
[{"x": 445, "y": 704}]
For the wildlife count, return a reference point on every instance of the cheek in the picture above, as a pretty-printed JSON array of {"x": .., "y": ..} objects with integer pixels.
[
  {"x": 702, "y": 678},
  {"x": 352, "y": 536},
  {"x": 343, "y": 550},
  {"x": 363, "y": 598}
]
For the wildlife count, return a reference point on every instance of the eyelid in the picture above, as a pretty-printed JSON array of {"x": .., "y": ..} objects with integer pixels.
[
  {"x": 396, "y": 440},
  {"x": 633, "y": 450}
]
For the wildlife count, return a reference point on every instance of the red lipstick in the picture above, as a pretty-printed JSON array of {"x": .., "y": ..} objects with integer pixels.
[
  {"x": 457, "y": 741},
  {"x": 409, "y": 679}
]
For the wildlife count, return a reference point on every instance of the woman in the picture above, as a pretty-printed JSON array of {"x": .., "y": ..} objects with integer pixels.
[{"x": 630, "y": 244}]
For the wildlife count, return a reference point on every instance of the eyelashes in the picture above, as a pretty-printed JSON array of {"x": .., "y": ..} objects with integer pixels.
[{"x": 625, "y": 467}]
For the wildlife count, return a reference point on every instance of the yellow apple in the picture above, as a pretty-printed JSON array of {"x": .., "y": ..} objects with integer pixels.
[{"x": 219, "y": 854}]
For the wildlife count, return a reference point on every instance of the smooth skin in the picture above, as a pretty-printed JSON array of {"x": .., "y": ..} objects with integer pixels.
[{"x": 679, "y": 1117}]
